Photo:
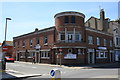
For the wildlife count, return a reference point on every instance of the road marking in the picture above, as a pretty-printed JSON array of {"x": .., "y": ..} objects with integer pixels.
[{"x": 34, "y": 67}]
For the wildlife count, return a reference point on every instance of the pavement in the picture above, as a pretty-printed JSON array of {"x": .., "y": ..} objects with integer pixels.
[{"x": 11, "y": 74}]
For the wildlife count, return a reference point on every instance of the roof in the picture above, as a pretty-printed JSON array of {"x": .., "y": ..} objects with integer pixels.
[{"x": 36, "y": 30}]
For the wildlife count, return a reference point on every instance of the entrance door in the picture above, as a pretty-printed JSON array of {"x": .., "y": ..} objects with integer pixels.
[
  {"x": 90, "y": 58},
  {"x": 37, "y": 57}
]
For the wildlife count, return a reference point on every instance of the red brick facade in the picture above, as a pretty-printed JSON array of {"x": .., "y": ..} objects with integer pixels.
[{"x": 71, "y": 36}]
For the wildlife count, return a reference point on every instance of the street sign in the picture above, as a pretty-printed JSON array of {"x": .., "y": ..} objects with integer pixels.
[
  {"x": 52, "y": 73},
  {"x": 55, "y": 74},
  {"x": 60, "y": 50},
  {"x": 4, "y": 48}
]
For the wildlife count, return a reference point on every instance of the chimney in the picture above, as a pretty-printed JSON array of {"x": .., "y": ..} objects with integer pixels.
[{"x": 102, "y": 18}]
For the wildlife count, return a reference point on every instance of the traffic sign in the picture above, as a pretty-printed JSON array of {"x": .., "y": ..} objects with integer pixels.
[{"x": 52, "y": 73}]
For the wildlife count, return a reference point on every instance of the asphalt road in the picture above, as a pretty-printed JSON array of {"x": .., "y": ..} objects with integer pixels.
[{"x": 107, "y": 72}]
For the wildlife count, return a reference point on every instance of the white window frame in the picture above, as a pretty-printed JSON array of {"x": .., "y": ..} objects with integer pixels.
[
  {"x": 61, "y": 35},
  {"x": 78, "y": 35},
  {"x": 111, "y": 44},
  {"x": 98, "y": 41},
  {"x": 79, "y": 51},
  {"x": 90, "y": 39},
  {"x": 99, "y": 54},
  {"x": 104, "y": 42},
  {"x": 45, "y": 55}
]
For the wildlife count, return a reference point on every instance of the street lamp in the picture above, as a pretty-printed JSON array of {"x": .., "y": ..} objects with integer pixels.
[
  {"x": 4, "y": 44},
  {"x": 6, "y": 27}
]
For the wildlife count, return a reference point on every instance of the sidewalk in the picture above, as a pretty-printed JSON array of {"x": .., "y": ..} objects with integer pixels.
[{"x": 15, "y": 74}]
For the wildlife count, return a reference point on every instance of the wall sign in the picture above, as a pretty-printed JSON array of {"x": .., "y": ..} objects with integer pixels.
[
  {"x": 70, "y": 56},
  {"x": 104, "y": 48}
]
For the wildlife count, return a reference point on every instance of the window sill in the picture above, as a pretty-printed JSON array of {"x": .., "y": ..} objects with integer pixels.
[
  {"x": 45, "y": 58},
  {"x": 101, "y": 57}
]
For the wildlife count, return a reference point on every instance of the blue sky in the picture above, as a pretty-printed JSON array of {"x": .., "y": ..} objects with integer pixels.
[{"x": 26, "y": 16}]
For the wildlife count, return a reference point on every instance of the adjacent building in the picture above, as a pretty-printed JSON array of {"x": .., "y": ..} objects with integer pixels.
[
  {"x": 116, "y": 37},
  {"x": 7, "y": 47},
  {"x": 70, "y": 41}
]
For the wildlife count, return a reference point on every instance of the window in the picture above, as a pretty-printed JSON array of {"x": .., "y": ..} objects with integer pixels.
[
  {"x": 62, "y": 36},
  {"x": 98, "y": 41},
  {"x": 45, "y": 40},
  {"x": 110, "y": 43},
  {"x": 101, "y": 54},
  {"x": 90, "y": 40},
  {"x": 18, "y": 43},
  {"x": 14, "y": 44},
  {"x": 72, "y": 19},
  {"x": 79, "y": 51},
  {"x": 30, "y": 42},
  {"x": 37, "y": 40},
  {"x": 78, "y": 37},
  {"x": 104, "y": 42},
  {"x": 23, "y": 43},
  {"x": 66, "y": 19},
  {"x": 118, "y": 41},
  {"x": 45, "y": 54},
  {"x": 70, "y": 37}
]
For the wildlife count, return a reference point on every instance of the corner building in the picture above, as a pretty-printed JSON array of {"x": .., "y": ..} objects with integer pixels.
[{"x": 68, "y": 42}]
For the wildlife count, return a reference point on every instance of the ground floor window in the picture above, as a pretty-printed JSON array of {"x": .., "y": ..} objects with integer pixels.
[
  {"x": 30, "y": 54},
  {"x": 44, "y": 54},
  {"x": 22, "y": 55},
  {"x": 101, "y": 54}
]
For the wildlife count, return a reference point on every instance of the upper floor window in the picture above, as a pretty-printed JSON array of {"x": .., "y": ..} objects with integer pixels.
[
  {"x": 118, "y": 41},
  {"x": 66, "y": 20},
  {"x": 72, "y": 19},
  {"x": 90, "y": 40},
  {"x": 45, "y": 40},
  {"x": 104, "y": 42},
  {"x": 37, "y": 40},
  {"x": 23, "y": 43},
  {"x": 18, "y": 43},
  {"x": 78, "y": 37},
  {"x": 62, "y": 36},
  {"x": 30, "y": 42},
  {"x": 14, "y": 44},
  {"x": 111, "y": 43},
  {"x": 98, "y": 41}
]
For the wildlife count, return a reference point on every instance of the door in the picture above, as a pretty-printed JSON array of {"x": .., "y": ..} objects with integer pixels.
[{"x": 90, "y": 58}]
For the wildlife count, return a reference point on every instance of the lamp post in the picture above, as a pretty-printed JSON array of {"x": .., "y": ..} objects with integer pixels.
[
  {"x": 6, "y": 27},
  {"x": 4, "y": 44}
]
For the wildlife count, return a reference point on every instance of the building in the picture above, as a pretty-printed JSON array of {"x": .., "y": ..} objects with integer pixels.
[
  {"x": 7, "y": 47},
  {"x": 70, "y": 41},
  {"x": 116, "y": 37}
]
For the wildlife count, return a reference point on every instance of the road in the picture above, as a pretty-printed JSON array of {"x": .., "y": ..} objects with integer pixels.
[{"x": 110, "y": 71}]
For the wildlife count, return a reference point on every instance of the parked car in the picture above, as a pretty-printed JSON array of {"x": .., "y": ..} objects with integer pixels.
[{"x": 9, "y": 59}]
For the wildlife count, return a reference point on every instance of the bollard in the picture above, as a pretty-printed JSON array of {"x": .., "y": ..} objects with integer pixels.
[{"x": 55, "y": 74}]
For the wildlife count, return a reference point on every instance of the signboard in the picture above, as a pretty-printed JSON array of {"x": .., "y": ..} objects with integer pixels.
[
  {"x": 104, "y": 48},
  {"x": 70, "y": 56}
]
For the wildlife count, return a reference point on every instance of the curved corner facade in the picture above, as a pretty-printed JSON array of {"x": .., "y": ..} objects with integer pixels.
[{"x": 68, "y": 42}]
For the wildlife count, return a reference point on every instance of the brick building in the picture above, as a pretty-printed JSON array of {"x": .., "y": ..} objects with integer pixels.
[{"x": 69, "y": 41}]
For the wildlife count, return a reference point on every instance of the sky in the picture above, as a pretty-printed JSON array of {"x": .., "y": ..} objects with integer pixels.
[{"x": 26, "y": 16}]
